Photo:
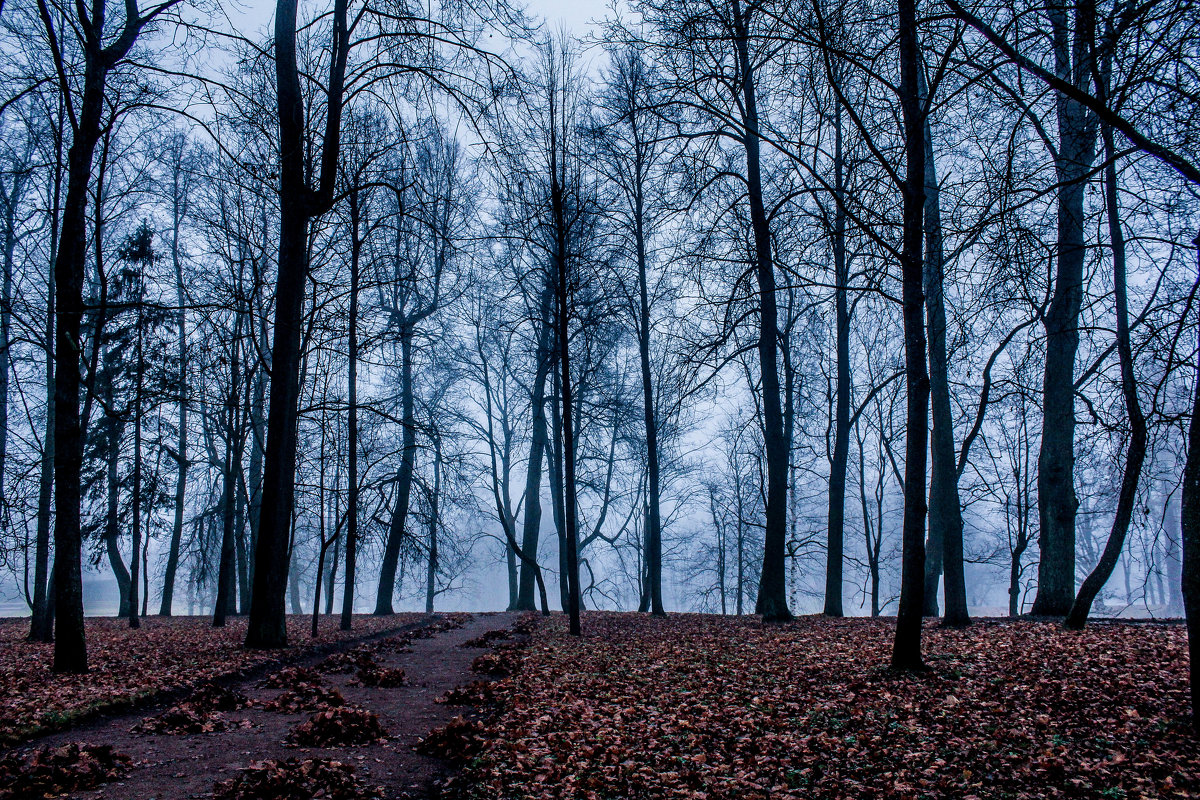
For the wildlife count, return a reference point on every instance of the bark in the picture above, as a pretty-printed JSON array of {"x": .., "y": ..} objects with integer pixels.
[
  {"x": 135, "y": 552},
  {"x": 841, "y": 427},
  {"x": 298, "y": 204},
  {"x": 431, "y": 568},
  {"x": 352, "y": 419},
  {"x": 226, "y": 603},
  {"x": 944, "y": 548},
  {"x": 906, "y": 651},
  {"x": 568, "y": 441},
  {"x": 70, "y": 650},
  {"x": 112, "y": 525},
  {"x": 404, "y": 479},
  {"x": 41, "y": 627},
  {"x": 181, "y": 446},
  {"x": 532, "y": 522},
  {"x": 1135, "y": 453},
  {"x": 12, "y": 196},
  {"x": 1057, "y": 501},
  {"x": 1190, "y": 528},
  {"x": 654, "y": 515},
  {"x": 772, "y": 585}
]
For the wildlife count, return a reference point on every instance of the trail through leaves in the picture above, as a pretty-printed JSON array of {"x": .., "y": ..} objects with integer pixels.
[{"x": 164, "y": 654}]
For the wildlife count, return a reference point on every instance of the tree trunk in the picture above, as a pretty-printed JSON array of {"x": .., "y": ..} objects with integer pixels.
[
  {"x": 298, "y": 204},
  {"x": 532, "y": 522},
  {"x": 112, "y": 524},
  {"x": 226, "y": 603},
  {"x": 841, "y": 426},
  {"x": 352, "y": 420},
  {"x": 555, "y": 459},
  {"x": 906, "y": 651},
  {"x": 135, "y": 552},
  {"x": 1057, "y": 502},
  {"x": 404, "y": 479},
  {"x": 181, "y": 456},
  {"x": 1190, "y": 532},
  {"x": 772, "y": 585},
  {"x": 432, "y": 562},
  {"x": 944, "y": 548},
  {"x": 1135, "y": 454},
  {"x": 653, "y": 553},
  {"x": 41, "y": 627},
  {"x": 70, "y": 649},
  {"x": 568, "y": 441}
]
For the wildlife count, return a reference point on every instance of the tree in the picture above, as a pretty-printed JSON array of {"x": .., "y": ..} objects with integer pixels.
[{"x": 101, "y": 50}]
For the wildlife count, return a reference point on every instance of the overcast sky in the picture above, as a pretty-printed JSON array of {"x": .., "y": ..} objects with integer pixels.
[{"x": 574, "y": 15}]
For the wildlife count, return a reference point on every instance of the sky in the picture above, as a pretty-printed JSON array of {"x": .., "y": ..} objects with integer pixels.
[{"x": 574, "y": 15}]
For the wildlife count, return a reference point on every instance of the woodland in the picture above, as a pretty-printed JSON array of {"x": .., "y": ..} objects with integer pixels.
[{"x": 784, "y": 352}]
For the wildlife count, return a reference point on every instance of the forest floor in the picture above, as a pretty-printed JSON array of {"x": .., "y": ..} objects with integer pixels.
[
  {"x": 130, "y": 668},
  {"x": 341, "y": 726},
  {"x": 690, "y": 706},
  {"x": 698, "y": 706}
]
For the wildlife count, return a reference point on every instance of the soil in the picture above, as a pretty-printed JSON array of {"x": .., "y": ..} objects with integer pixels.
[{"x": 179, "y": 767}]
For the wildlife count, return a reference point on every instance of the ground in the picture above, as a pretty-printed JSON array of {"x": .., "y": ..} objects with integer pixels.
[
  {"x": 709, "y": 707},
  {"x": 690, "y": 706},
  {"x": 133, "y": 666}
]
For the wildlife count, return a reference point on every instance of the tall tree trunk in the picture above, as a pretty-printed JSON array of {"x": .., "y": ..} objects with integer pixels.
[
  {"x": 10, "y": 244},
  {"x": 532, "y": 522},
  {"x": 41, "y": 628},
  {"x": 1135, "y": 453},
  {"x": 404, "y": 479},
  {"x": 70, "y": 649},
  {"x": 1190, "y": 532},
  {"x": 298, "y": 204},
  {"x": 906, "y": 650},
  {"x": 567, "y": 413},
  {"x": 772, "y": 585},
  {"x": 653, "y": 553},
  {"x": 841, "y": 426},
  {"x": 112, "y": 524},
  {"x": 135, "y": 552},
  {"x": 554, "y": 458},
  {"x": 1057, "y": 501},
  {"x": 226, "y": 603},
  {"x": 255, "y": 472},
  {"x": 944, "y": 548},
  {"x": 181, "y": 445},
  {"x": 431, "y": 567},
  {"x": 352, "y": 419}
]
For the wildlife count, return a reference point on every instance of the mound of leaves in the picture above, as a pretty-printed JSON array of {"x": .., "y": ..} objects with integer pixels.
[
  {"x": 458, "y": 741},
  {"x": 288, "y": 677},
  {"x": 187, "y": 718},
  {"x": 214, "y": 697},
  {"x": 306, "y": 697},
  {"x": 53, "y": 771},
  {"x": 380, "y": 677},
  {"x": 295, "y": 779},
  {"x": 499, "y": 664},
  {"x": 394, "y": 644},
  {"x": 348, "y": 661},
  {"x": 486, "y": 639},
  {"x": 337, "y": 727},
  {"x": 476, "y": 693},
  {"x": 525, "y": 626}
]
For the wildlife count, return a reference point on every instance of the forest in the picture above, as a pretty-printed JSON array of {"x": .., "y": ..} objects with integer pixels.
[{"x": 321, "y": 321}]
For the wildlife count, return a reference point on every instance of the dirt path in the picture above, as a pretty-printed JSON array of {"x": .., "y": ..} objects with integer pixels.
[{"x": 180, "y": 767}]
